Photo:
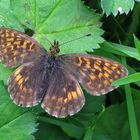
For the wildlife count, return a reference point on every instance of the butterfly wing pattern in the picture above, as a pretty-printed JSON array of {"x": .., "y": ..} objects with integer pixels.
[
  {"x": 54, "y": 81},
  {"x": 64, "y": 95},
  {"x": 17, "y": 48},
  {"x": 25, "y": 85},
  {"x": 94, "y": 73}
]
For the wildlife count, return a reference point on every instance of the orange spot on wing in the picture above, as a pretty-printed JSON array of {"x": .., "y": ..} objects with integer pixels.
[
  {"x": 8, "y": 44},
  {"x": 107, "y": 64},
  {"x": 100, "y": 75},
  {"x": 118, "y": 72},
  {"x": 92, "y": 76},
  {"x": 17, "y": 42},
  {"x": 87, "y": 63},
  {"x": 7, "y": 34},
  {"x": 97, "y": 67},
  {"x": 113, "y": 67},
  {"x": 65, "y": 100},
  {"x": 10, "y": 39},
  {"x": 18, "y": 77},
  {"x": 17, "y": 71},
  {"x": 106, "y": 74},
  {"x": 12, "y": 34},
  {"x": 20, "y": 81},
  {"x": 107, "y": 69},
  {"x": 69, "y": 96},
  {"x": 31, "y": 47},
  {"x": 74, "y": 94},
  {"x": 24, "y": 46}
]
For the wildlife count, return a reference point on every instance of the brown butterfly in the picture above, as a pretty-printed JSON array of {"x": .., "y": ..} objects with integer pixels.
[{"x": 52, "y": 79}]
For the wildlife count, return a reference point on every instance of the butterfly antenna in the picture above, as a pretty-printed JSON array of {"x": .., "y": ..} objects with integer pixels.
[
  {"x": 49, "y": 41},
  {"x": 87, "y": 35}
]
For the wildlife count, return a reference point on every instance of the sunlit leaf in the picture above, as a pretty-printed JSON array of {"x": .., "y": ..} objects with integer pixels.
[{"x": 117, "y": 6}]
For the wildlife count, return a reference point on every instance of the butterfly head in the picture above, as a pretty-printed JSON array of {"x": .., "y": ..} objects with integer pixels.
[{"x": 54, "y": 49}]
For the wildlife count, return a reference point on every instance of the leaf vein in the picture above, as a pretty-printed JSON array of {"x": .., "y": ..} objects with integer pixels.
[{"x": 44, "y": 21}]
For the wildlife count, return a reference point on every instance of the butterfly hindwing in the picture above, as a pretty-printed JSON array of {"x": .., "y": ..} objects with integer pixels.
[
  {"x": 95, "y": 73},
  {"x": 25, "y": 85},
  {"x": 64, "y": 96},
  {"x": 17, "y": 48}
]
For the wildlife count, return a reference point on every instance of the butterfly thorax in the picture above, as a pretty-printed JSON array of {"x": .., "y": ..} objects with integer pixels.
[
  {"x": 48, "y": 61},
  {"x": 54, "y": 49}
]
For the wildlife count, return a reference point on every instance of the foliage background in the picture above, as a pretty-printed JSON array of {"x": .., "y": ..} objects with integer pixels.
[{"x": 114, "y": 26}]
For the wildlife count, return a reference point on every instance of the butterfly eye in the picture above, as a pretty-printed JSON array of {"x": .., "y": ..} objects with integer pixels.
[{"x": 57, "y": 49}]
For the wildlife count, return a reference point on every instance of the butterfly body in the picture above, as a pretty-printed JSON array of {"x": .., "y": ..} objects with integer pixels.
[{"x": 51, "y": 79}]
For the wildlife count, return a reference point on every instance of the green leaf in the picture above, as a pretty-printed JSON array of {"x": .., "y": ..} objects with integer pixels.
[
  {"x": 127, "y": 80},
  {"x": 137, "y": 44},
  {"x": 7, "y": 17},
  {"x": 88, "y": 134},
  {"x": 50, "y": 132},
  {"x": 113, "y": 124},
  {"x": 69, "y": 128},
  {"x": 4, "y": 73},
  {"x": 92, "y": 105},
  {"x": 58, "y": 19},
  {"x": 131, "y": 113},
  {"x": 117, "y": 6},
  {"x": 15, "y": 123},
  {"x": 120, "y": 49},
  {"x": 131, "y": 110}
]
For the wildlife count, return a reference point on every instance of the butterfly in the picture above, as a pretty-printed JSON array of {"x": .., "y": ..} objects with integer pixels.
[{"x": 51, "y": 79}]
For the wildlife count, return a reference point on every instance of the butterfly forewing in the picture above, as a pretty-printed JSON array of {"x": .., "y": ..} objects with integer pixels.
[
  {"x": 25, "y": 85},
  {"x": 96, "y": 74},
  {"x": 17, "y": 48},
  {"x": 64, "y": 96}
]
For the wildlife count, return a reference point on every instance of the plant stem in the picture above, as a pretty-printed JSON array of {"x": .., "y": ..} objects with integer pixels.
[{"x": 131, "y": 111}]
